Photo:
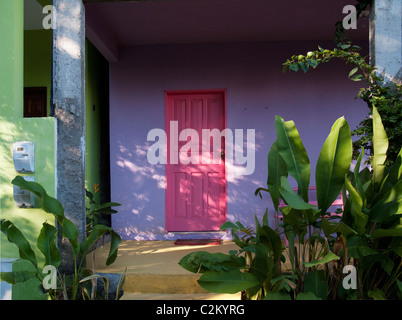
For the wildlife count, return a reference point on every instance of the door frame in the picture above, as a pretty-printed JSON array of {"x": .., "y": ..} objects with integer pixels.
[{"x": 167, "y": 126}]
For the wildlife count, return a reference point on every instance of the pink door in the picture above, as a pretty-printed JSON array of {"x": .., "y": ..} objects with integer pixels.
[{"x": 195, "y": 187}]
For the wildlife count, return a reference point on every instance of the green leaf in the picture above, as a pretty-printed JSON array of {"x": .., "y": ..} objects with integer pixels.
[
  {"x": 258, "y": 191},
  {"x": 307, "y": 296},
  {"x": 389, "y": 205},
  {"x": 358, "y": 248},
  {"x": 277, "y": 296},
  {"x": 376, "y": 294},
  {"x": 272, "y": 241},
  {"x": 316, "y": 283},
  {"x": 262, "y": 264},
  {"x": 333, "y": 164},
  {"x": 292, "y": 151},
  {"x": 292, "y": 217},
  {"x": 229, "y": 225},
  {"x": 257, "y": 223},
  {"x": 49, "y": 204},
  {"x": 17, "y": 276},
  {"x": 388, "y": 265},
  {"x": 121, "y": 282},
  {"x": 97, "y": 232},
  {"x": 46, "y": 243},
  {"x": 290, "y": 236},
  {"x": 294, "y": 67},
  {"x": 393, "y": 232},
  {"x": 360, "y": 219},
  {"x": 114, "y": 245},
  {"x": 265, "y": 222},
  {"x": 327, "y": 258},
  {"x": 394, "y": 175},
  {"x": 202, "y": 261},
  {"x": 312, "y": 62},
  {"x": 304, "y": 66},
  {"x": 53, "y": 206},
  {"x": 330, "y": 228},
  {"x": 380, "y": 142},
  {"x": 104, "y": 279},
  {"x": 357, "y": 77},
  {"x": 357, "y": 176},
  {"x": 399, "y": 285},
  {"x": 291, "y": 198},
  {"x": 14, "y": 235},
  {"x": 227, "y": 282},
  {"x": 276, "y": 169},
  {"x": 107, "y": 205},
  {"x": 284, "y": 277},
  {"x": 398, "y": 250},
  {"x": 89, "y": 195},
  {"x": 353, "y": 71}
]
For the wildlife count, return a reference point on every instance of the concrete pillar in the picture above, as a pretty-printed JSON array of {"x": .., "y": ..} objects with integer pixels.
[
  {"x": 386, "y": 39},
  {"x": 68, "y": 103}
]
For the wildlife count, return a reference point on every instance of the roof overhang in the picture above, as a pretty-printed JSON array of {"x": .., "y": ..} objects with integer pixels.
[{"x": 112, "y": 24}]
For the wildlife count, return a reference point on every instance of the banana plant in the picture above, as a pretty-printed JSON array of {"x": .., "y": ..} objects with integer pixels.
[
  {"x": 373, "y": 208},
  {"x": 46, "y": 242},
  {"x": 95, "y": 211},
  {"x": 302, "y": 220},
  {"x": 253, "y": 269},
  {"x": 368, "y": 234},
  {"x": 370, "y": 229}
]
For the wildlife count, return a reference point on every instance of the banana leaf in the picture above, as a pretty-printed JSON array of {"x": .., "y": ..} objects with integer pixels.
[
  {"x": 292, "y": 151},
  {"x": 333, "y": 163},
  {"x": 227, "y": 282}
]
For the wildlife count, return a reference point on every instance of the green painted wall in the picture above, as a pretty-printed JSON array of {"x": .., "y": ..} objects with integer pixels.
[
  {"x": 38, "y": 60},
  {"x": 11, "y": 57},
  {"x": 37, "y": 73},
  {"x": 97, "y": 121},
  {"x": 13, "y": 127},
  {"x": 42, "y": 132},
  {"x": 25, "y": 60}
]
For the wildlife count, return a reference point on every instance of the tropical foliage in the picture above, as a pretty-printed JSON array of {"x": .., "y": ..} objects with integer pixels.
[
  {"x": 366, "y": 235},
  {"x": 95, "y": 211},
  {"x": 77, "y": 285},
  {"x": 385, "y": 97}
]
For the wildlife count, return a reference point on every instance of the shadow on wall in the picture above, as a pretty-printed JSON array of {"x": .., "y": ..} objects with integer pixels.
[
  {"x": 140, "y": 216},
  {"x": 141, "y": 192}
]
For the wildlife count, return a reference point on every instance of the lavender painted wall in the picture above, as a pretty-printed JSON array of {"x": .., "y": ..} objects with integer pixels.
[{"x": 257, "y": 90}]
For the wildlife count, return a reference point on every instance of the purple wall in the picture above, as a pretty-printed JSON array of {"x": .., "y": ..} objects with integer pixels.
[{"x": 257, "y": 90}]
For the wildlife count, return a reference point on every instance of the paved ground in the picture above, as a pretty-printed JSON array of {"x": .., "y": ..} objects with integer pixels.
[{"x": 153, "y": 272}]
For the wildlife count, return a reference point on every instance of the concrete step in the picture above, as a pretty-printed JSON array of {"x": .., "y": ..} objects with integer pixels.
[
  {"x": 178, "y": 296},
  {"x": 163, "y": 283},
  {"x": 153, "y": 272}
]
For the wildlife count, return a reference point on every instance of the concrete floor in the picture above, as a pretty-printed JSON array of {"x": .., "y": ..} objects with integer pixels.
[{"x": 153, "y": 272}]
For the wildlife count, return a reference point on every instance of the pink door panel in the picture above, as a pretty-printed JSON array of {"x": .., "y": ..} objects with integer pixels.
[{"x": 195, "y": 192}]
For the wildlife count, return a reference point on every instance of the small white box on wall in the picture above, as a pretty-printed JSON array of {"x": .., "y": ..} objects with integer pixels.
[
  {"x": 6, "y": 288},
  {"x": 24, "y": 198},
  {"x": 24, "y": 156}
]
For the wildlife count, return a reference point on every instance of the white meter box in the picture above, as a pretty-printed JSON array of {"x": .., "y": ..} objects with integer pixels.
[
  {"x": 24, "y": 198},
  {"x": 24, "y": 156}
]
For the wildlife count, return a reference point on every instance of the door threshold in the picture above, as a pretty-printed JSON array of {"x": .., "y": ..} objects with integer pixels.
[
  {"x": 198, "y": 242},
  {"x": 196, "y": 232}
]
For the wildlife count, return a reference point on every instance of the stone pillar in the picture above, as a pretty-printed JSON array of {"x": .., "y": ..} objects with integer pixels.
[
  {"x": 386, "y": 39},
  {"x": 68, "y": 103}
]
